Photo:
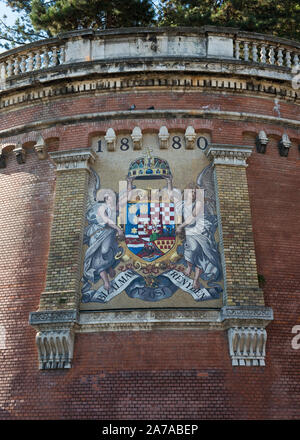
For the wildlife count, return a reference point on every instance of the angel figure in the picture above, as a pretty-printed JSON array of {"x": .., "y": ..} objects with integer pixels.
[
  {"x": 200, "y": 223},
  {"x": 101, "y": 236}
]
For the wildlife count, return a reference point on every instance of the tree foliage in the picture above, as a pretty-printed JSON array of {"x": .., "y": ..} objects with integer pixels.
[
  {"x": 42, "y": 18},
  {"x": 280, "y": 17}
]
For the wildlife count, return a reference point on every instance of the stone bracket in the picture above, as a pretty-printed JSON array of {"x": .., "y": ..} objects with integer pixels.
[
  {"x": 247, "y": 335},
  {"x": 55, "y": 337},
  {"x": 55, "y": 348},
  {"x": 247, "y": 346}
]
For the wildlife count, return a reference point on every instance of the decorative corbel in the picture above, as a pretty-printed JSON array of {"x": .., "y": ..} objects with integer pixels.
[
  {"x": 40, "y": 148},
  {"x": 110, "y": 139},
  {"x": 137, "y": 138},
  {"x": 261, "y": 142},
  {"x": 247, "y": 346},
  {"x": 55, "y": 337},
  {"x": 163, "y": 137},
  {"x": 247, "y": 334},
  {"x": 190, "y": 136},
  {"x": 284, "y": 145},
  {"x": 55, "y": 348},
  {"x": 20, "y": 153}
]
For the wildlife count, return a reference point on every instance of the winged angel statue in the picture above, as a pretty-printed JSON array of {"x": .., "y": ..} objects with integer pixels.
[
  {"x": 100, "y": 235},
  {"x": 201, "y": 251}
]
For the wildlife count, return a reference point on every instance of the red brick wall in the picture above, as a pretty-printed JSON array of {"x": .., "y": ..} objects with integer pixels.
[{"x": 155, "y": 374}]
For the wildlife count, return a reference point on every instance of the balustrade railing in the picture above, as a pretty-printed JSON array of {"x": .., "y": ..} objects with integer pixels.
[
  {"x": 35, "y": 58},
  {"x": 72, "y": 47},
  {"x": 266, "y": 52}
]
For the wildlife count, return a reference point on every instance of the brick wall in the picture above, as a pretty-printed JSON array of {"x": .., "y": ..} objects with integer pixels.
[{"x": 155, "y": 374}]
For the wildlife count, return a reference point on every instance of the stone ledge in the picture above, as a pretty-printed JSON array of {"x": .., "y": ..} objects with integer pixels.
[
  {"x": 245, "y": 327},
  {"x": 246, "y": 316},
  {"x": 53, "y": 317},
  {"x": 149, "y": 320}
]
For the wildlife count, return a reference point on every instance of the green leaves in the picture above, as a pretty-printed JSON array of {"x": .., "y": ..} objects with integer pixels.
[
  {"x": 43, "y": 18},
  {"x": 279, "y": 17}
]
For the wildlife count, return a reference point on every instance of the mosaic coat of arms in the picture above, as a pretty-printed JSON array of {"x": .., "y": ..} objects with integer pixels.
[{"x": 149, "y": 243}]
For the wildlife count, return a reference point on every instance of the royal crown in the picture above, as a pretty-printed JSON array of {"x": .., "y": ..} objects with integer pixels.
[{"x": 149, "y": 167}]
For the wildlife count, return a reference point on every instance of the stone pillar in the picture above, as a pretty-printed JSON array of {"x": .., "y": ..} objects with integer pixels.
[
  {"x": 244, "y": 314},
  {"x": 57, "y": 316}
]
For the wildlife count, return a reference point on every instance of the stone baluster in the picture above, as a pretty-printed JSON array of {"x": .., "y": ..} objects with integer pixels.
[
  {"x": 296, "y": 60},
  {"x": 23, "y": 63},
  {"x": 280, "y": 57},
  {"x": 9, "y": 67},
  {"x": 2, "y": 72},
  {"x": 38, "y": 61},
  {"x": 254, "y": 52},
  {"x": 288, "y": 59},
  {"x": 271, "y": 55},
  {"x": 237, "y": 49},
  {"x": 30, "y": 62},
  {"x": 246, "y": 51},
  {"x": 16, "y": 65},
  {"x": 54, "y": 56},
  {"x": 62, "y": 56},
  {"x": 263, "y": 52},
  {"x": 45, "y": 58}
]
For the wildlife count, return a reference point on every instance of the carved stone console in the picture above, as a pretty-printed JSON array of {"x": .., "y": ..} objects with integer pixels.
[{"x": 55, "y": 337}]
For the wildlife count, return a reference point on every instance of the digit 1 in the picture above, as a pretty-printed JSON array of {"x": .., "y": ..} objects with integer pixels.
[{"x": 99, "y": 147}]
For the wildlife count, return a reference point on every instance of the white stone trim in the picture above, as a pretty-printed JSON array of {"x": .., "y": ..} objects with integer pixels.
[
  {"x": 247, "y": 346},
  {"x": 229, "y": 154},
  {"x": 72, "y": 159},
  {"x": 138, "y": 320},
  {"x": 55, "y": 348}
]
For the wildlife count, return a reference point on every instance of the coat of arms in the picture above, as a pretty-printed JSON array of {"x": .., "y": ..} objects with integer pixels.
[{"x": 151, "y": 242}]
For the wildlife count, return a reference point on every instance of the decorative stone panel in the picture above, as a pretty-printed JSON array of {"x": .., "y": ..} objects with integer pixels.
[
  {"x": 55, "y": 348},
  {"x": 247, "y": 346}
]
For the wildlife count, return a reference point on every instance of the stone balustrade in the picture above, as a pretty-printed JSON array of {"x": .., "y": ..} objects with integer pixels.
[
  {"x": 86, "y": 48},
  {"x": 26, "y": 60},
  {"x": 275, "y": 52}
]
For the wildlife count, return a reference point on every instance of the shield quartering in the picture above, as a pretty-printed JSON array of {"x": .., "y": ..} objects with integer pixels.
[{"x": 150, "y": 228}]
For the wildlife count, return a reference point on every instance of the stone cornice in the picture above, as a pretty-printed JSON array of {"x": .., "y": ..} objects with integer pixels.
[
  {"x": 233, "y": 155},
  {"x": 207, "y": 76},
  {"x": 145, "y": 114},
  {"x": 72, "y": 159},
  {"x": 213, "y": 319}
]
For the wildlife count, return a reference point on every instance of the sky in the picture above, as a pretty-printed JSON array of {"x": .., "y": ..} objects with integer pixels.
[
  {"x": 4, "y": 10},
  {"x": 11, "y": 16}
]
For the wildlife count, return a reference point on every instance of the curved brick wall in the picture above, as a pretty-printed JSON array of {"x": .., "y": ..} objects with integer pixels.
[{"x": 181, "y": 374}]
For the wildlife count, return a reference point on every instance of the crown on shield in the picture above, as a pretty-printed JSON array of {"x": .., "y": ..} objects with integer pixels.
[{"x": 149, "y": 167}]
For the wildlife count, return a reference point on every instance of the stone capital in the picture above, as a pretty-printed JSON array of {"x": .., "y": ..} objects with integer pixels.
[
  {"x": 73, "y": 159},
  {"x": 232, "y": 155}
]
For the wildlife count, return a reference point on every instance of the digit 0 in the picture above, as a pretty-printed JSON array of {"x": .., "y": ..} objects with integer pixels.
[{"x": 202, "y": 143}]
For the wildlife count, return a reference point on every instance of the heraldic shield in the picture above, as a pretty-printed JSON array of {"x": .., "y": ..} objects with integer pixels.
[
  {"x": 142, "y": 251},
  {"x": 150, "y": 218},
  {"x": 150, "y": 229}
]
